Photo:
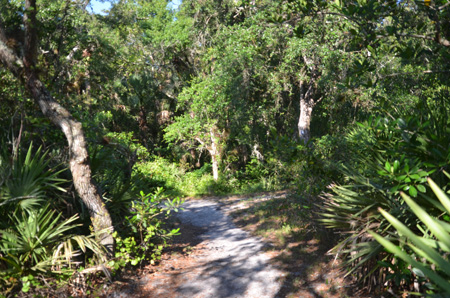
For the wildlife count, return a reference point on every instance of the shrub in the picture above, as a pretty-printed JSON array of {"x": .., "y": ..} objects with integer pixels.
[
  {"x": 26, "y": 180},
  {"x": 142, "y": 236},
  {"x": 35, "y": 238},
  {"x": 159, "y": 172},
  {"x": 397, "y": 158},
  {"x": 425, "y": 248},
  {"x": 37, "y": 241}
]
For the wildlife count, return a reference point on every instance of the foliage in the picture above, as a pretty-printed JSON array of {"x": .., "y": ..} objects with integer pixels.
[
  {"x": 144, "y": 236},
  {"x": 27, "y": 180},
  {"x": 157, "y": 88},
  {"x": 37, "y": 239},
  {"x": 398, "y": 156},
  {"x": 38, "y": 242},
  {"x": 178, "y": 180},
  {"x": 424, "y": 247},
  {"x": 112, "y": 166}
]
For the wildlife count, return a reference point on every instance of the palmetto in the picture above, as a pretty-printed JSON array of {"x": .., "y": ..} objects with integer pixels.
[
  {"x": 427, "y": 251},
  {"x": 26, "y": 180},
  {"x": 33, "y": 236},
  {"x": 30, "y": 243}
]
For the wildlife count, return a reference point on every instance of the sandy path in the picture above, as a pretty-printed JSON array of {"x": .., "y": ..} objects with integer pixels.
[
  {"x": 235, "y": 265},
  {"x": 230, "y": 263},
  {"x": 214, "y": 258}
]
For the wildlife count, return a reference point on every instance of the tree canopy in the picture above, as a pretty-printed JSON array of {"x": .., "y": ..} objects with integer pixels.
[{"x": 233, "y": 96}]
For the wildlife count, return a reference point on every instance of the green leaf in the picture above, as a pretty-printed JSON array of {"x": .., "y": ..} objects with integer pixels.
[
  {"x": 439, "y": 280},
  {"x": 434, "y": 226},
  {"x": 396, "y": 165},
  {"x": 421, "y": 188},
  {"x": 412, "y": 191},
  {"x": 443, "y": 198},
  {"x": 387, "y": 166},
  {"x": 418, "y": 272},
  {"x": 415, "y": 176}
]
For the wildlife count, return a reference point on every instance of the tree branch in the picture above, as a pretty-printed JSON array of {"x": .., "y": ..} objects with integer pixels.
[
  {"x": 443, "y": 6},
  {"x": 7, "y": 56},
  {"x": 437, "y": 38}
]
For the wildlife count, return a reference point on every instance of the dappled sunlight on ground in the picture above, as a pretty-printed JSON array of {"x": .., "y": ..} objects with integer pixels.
[
  {"x": 297, "y": 247},
  {"x": 213, "y": 258}
]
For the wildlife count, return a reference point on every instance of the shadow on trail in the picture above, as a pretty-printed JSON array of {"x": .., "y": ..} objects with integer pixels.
[
  {"x": 233, "y": 264},
  {"x": 309, "y": 270},
  {"x": 229, "y": 262},
  {"x": 298, "y": 247}
]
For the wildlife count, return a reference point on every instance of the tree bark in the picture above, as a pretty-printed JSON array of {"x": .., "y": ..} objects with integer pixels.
[
  {"x": 25, "y": 70},
  {"x": 306, "y": 108},
  {"x": 78, "y": 159},
  {"x": 215, "y": 156},
  {"x": 214, "y": 148}
]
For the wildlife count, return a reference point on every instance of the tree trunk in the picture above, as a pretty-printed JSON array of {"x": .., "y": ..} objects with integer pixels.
[
  {"x": 25, "y": 70},
  {"x": 215, "y": 155},
  {"x": 78, "y": 160},
  {"x": 215, "y": 166},
  {"x": 215, "y": 150},
  {"x": 306, "y": 108}
]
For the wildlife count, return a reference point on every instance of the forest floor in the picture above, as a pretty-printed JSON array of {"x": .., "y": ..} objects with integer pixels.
[{"x": 262, "y": 245}]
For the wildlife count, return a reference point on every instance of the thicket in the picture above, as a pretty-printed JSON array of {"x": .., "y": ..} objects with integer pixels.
[
  {"x": 345, "y": 103},
  {"x": 388, "y": 181},
  {"x": 46, "y": 237}
]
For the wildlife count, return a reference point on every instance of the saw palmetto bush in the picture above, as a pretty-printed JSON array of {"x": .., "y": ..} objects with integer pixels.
[
  {"x": 26, "y": 180},
  {"x": 425, "y": 247},
  {"x": 398, "y": 157},
  {"x": 38, "y": 240},
  {"x": 35, "y": 238}
]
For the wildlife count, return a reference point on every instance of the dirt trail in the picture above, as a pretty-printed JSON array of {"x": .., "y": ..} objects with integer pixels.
[
  {"x": 214, "y": 258},
  {"x": 228, "y": 263}
]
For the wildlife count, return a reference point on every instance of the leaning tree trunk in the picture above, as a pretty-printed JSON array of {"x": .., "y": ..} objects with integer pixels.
[
  {"x": 25, "y": 70},
  {"x": 78, "y": 159}
]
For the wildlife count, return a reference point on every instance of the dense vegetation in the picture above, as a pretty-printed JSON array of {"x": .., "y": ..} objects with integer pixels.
[{"x": 106, "y": 120}]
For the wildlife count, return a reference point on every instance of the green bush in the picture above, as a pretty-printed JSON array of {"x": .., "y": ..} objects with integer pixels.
[
  {"x": 425, "y": 248},
  {"x": 398, "y": 156},
  {"x": 159, "y": 172},
  {"x": 37, "y": 241},
  {"x": 26, "y": 180},
  {"x": 35, "y": 238},
  {"x": 142, "y": 235}
]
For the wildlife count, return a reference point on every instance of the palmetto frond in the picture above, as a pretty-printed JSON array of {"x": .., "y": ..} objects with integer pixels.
[
  {"x": 428, "y": 254},
  {"x": 27, "y": 179},
  {"x": 38, "y": 241}
]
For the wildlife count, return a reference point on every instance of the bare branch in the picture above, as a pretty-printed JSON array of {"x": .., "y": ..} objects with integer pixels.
[
  {"x": 437, "y": 38},
  {"x": 200, "y": 141},
  {"x": 443, "y": 6}
]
